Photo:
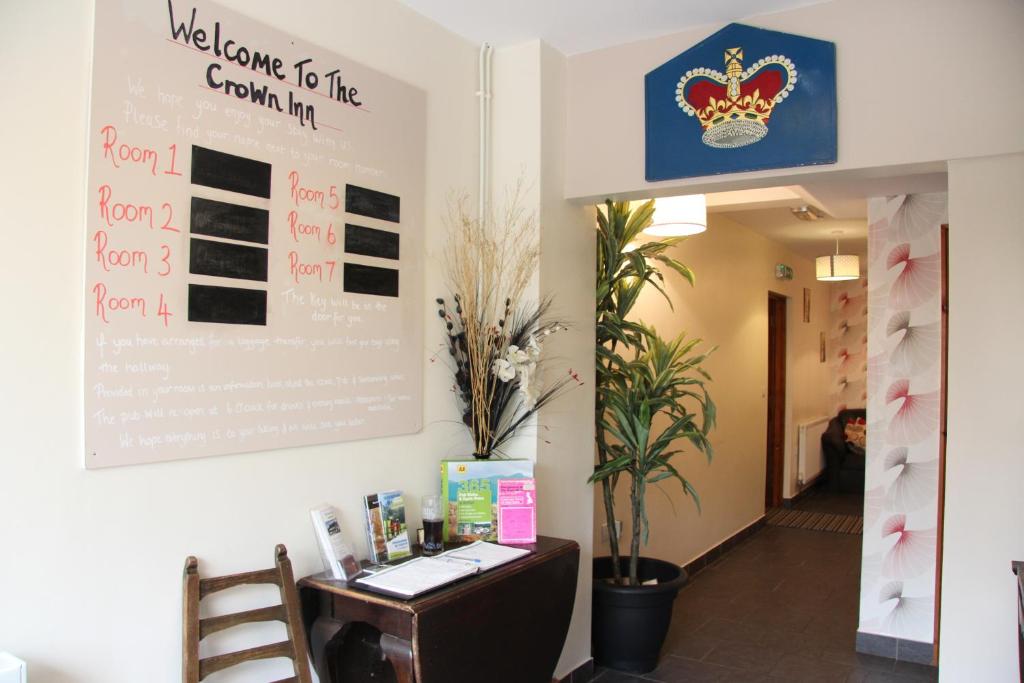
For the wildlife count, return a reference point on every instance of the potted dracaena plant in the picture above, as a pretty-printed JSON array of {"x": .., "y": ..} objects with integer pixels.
[{"x": 651, "y": 397}]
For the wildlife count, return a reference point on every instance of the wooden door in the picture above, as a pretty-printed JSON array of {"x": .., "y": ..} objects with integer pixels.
[{"x": 776, "y": 396}]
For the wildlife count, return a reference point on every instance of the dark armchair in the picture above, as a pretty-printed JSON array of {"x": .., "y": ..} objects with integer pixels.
[{"x": 844, "y": 462}]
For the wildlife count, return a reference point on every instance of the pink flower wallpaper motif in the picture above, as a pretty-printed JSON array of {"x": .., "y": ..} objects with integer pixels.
[
  {"x": 904, "y": 611},
  {"x": 917, "y": 417},
  {"x": 878, "y": 235},
  {"x": 917, "y": 215},
  {"x": 913, "y": 551},
  {"x": 903, "y": 388},
  {"x": 918, "y": 347},
  {"x": 914, "y": 485},
  {"x": 847, "y": 344},
  {"x": 915, "y": 283}
]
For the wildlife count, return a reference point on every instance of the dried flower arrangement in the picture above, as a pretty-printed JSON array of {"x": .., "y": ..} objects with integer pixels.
[{"x": 495, "y": 336}]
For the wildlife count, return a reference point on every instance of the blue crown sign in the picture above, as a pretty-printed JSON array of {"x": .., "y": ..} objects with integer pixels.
[{"x": 743, "y": 99}]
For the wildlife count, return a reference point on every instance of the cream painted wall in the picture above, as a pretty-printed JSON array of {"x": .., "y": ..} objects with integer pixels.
[
  {"x": 728, "y": 307},
  {"x": 90, "y": 580},
  {"x": 892, "y": 59},
  {"x": 529, "y": 132},
  {"x": 984, "y": 467}
]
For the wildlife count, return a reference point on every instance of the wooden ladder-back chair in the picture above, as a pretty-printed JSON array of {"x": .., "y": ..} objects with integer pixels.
[{"x": 195, "y": 629}]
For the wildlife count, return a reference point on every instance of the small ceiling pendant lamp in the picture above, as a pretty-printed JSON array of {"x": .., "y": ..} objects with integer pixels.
[
  {"x": 678, "y": 216},
  {"x": 836, "y": 267}
]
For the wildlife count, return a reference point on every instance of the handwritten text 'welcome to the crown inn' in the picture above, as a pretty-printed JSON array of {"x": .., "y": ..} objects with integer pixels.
[{"x": 304, "y": 73}]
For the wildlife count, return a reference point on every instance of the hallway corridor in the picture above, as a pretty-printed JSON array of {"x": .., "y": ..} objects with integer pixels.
[{"x": 781, "y": 606}]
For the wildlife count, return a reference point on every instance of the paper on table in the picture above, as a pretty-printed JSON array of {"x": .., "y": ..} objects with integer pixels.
[
  {"x": 419, "y": 575},
  {"x": 486, "y": 555}
]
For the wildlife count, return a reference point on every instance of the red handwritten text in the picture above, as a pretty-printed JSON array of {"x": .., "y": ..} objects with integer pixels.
[
  {"x": 301, "y": 270},
  {"x": 122, "y": 153},
  {"x": 122, "y": 212},
  {"x": 108, "y": 304},
  {"x": 310, "y": 230},
  {"x": 120, "y": 259},
  {"x": 302, "y": 194}
]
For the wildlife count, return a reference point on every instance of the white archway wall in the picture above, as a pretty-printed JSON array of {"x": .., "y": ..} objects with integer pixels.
[{"x": 984, "y": 467}]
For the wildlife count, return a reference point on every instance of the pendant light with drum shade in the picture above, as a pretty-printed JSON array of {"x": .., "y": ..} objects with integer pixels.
[
  {"x": 837, "y": 267},
  {"x": 678, "y": 216}
]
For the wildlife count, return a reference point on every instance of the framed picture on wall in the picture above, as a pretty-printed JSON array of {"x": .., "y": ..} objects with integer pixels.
[{"x": 742, "y": 99}]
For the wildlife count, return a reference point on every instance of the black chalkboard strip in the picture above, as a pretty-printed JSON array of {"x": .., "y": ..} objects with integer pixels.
[
  {"x": 208, "y": 304},
  {"x": 229, "y": 172},
  {"x": 371, "y": 242},
  {"x": 360, "y": 279},
  {"x": 232, "y": 221},
  {"x": 372, "y": 203},
  {"x": 222, "y": 259}
]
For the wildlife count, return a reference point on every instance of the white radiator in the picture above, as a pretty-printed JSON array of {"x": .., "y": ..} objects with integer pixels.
[{"x": 809, "y": 458}]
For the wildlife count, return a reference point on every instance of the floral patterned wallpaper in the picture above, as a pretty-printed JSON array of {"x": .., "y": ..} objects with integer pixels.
[
  {"x": 903, "y": 390},
  {"x": 847, "y": 344}
]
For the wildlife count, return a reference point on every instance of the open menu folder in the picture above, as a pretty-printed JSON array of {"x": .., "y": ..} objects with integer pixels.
[{"x": 423, "y": 574}]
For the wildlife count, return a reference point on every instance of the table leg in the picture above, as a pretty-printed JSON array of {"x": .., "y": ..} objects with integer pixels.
[
  {"x": 323, "y": 645},
  {"x": 399, "y": 653}
]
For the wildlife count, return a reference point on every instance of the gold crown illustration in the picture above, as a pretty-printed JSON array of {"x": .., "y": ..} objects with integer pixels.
[{"x": 733, "y": 108}]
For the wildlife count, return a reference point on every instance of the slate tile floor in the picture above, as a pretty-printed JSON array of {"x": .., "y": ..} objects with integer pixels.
[{"x": 781, "y": 606}]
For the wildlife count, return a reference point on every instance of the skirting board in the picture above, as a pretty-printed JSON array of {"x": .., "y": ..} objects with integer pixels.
[
  {"x": 697, "y": 564},
  {"x": 584, "y": 673},
  {"x": 815, "y": 483},
  {"x": 895, "y": 648}
]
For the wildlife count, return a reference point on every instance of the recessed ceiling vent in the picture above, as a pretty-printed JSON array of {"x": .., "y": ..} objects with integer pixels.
[{"x": 808, "y": 213}]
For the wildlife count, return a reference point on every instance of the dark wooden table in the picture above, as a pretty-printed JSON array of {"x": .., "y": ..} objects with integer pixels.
[{"x": 506, "y": 625}]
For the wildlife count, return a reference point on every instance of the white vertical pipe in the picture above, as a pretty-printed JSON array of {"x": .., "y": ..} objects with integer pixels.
[{"x": 484, "y": 93}]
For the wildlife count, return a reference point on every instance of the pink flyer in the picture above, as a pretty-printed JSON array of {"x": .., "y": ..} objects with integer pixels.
[{"x": 517, "y": 511}]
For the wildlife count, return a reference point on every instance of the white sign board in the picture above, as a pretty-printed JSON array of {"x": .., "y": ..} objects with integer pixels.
[{"x": 253, "y": 240}]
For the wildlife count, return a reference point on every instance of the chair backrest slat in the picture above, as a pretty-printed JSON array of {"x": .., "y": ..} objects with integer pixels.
[
  {"x": 214, "y": 624},
  {"x": 219, "y": 583},
  {"x": 216, "y": 663}
]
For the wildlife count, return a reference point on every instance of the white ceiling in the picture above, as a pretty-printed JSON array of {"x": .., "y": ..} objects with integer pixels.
[
  {"x": 768, "y": 211},
  {"x": 573, "y": 26},
  {"x": 806, "y": 238}
]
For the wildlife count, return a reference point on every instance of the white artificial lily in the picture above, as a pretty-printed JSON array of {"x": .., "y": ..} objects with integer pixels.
[
  {"x": 515, "y": 355},
  {"x": 504, "y": 370}
]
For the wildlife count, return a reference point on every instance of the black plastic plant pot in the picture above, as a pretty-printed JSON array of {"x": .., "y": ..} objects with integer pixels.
[{"x": 629, "y": 623}]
